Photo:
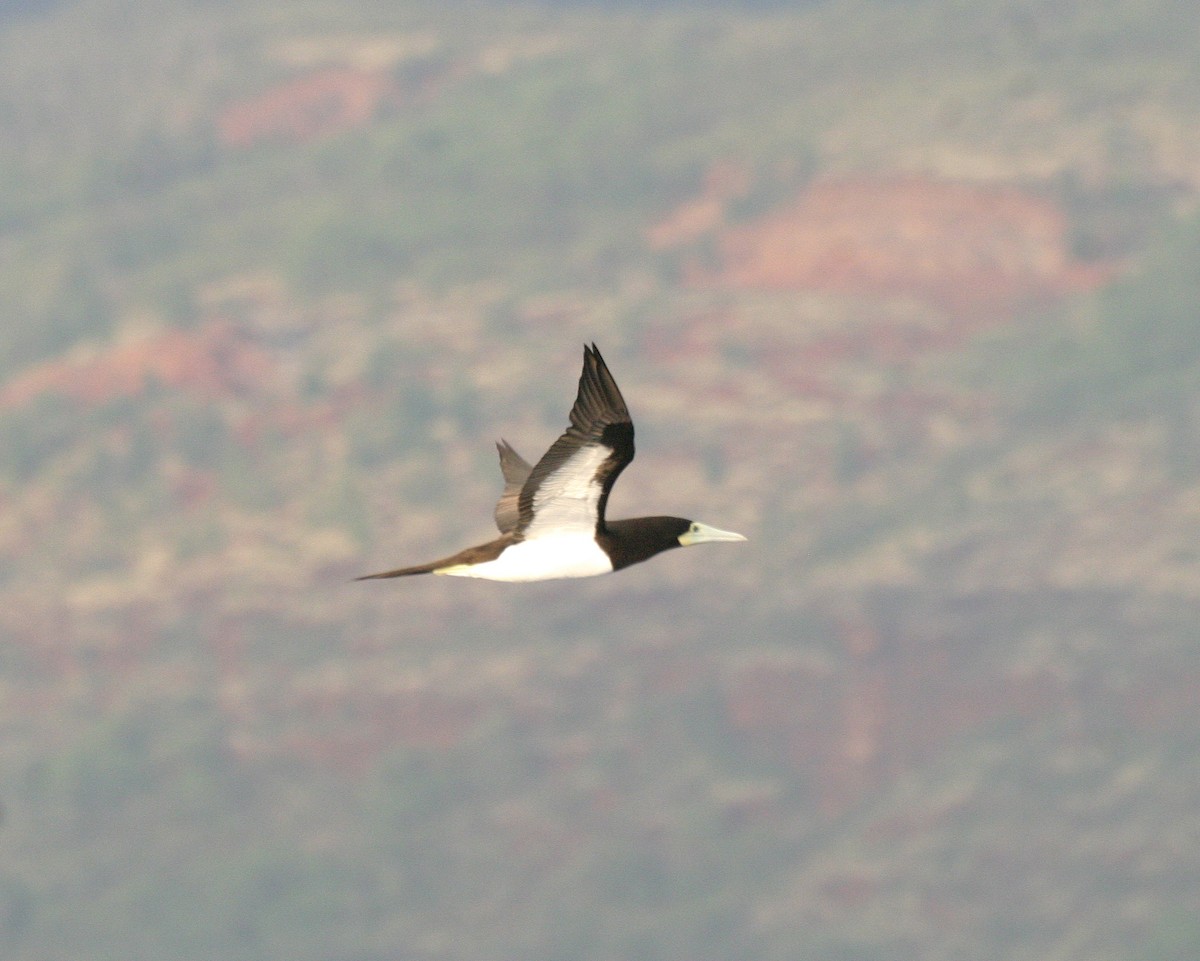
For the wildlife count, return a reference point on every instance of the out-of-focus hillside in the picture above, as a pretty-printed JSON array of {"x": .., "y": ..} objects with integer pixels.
[{"x": 907, "y": 292}]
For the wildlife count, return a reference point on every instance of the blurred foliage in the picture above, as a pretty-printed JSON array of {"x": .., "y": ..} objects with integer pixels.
[
  {"x": 1134, "y": 350},
  {"x": 229, "y": 757}
]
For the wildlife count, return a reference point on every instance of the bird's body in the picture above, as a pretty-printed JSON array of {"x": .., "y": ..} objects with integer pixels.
[
  {"x": 555, "y": 555},
  {"x": 551, "y": 515}
]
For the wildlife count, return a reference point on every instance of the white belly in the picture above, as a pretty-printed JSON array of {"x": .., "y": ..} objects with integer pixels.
[{"x": 541, "y": 559}]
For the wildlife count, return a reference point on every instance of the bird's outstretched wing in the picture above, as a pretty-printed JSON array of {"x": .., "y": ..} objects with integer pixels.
[
  {"x": 516, "y": 471},
  {"x": 567, "y": 490}
]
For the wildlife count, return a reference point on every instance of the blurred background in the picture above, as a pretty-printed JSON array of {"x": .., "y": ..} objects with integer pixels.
[{"x": 908, "y": 291}]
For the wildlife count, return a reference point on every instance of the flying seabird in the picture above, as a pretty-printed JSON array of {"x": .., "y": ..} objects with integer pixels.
[{"x": 551, "y": 515}]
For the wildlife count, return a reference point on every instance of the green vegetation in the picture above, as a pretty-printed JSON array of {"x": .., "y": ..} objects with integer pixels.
[{"x": 940, "y": 708}]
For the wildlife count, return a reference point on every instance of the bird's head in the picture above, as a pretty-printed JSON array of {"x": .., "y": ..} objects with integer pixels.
[{"x": 693, "y": 532}]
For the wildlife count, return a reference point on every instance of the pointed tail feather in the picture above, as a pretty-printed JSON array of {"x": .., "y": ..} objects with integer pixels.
[
  {"x": 400, "y": 572},
  {"x": 472, "y": 555}
]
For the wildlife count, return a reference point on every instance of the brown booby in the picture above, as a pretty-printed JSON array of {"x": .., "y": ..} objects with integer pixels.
[{"x": 551, "y": 515}]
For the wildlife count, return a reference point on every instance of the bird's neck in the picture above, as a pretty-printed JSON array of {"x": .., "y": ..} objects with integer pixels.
[{"x": 636, "y": 539}]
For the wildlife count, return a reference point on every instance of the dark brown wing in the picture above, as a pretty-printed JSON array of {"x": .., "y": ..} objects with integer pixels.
[
  {"x": 568, "y": 489},
  {"x": 516, "y": 471}
]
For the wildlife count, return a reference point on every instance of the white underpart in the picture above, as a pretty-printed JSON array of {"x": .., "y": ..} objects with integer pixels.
[
  {"x": 560, "y": 541},
  {"x": 567, "y": 554}
]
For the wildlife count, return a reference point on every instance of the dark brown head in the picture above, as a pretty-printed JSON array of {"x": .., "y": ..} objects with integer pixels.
[{"x": 639, "y": 538}]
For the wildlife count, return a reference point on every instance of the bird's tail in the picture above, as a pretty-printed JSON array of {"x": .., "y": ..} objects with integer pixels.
[
  {"x": 460, "y": 561},
  {"x": 400, "y": 572}
]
